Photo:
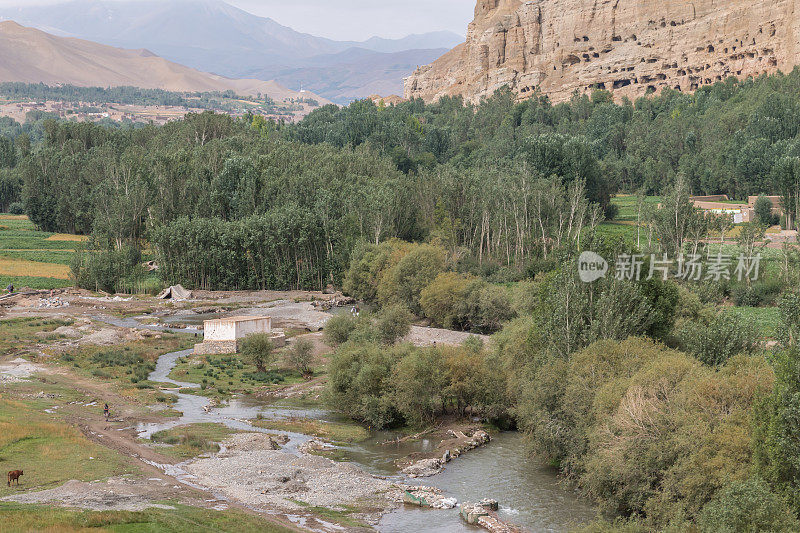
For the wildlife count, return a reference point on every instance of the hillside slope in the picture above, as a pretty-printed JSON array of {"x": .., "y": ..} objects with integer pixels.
[
  {"x": 32, "y": 56},
  {"x": 213, "y": 36}
]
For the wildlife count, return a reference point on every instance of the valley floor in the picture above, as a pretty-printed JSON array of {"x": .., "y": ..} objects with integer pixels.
[{"x": 254, "y": 456}]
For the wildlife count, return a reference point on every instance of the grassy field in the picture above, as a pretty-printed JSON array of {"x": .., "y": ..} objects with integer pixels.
[
  {"x": 627, "y": 206},
  {"x": 182, "y": 519},
  {"x": 49, "y": 451},
  {"x": 35, "y": 259},
  {"x": 220, "y": 376},
  {"x": 765, "y": 319},
  {"x": 624, "y": 225},
  {"x": 18, "y": 333},
  {"x": 190, "y": 441},
  {"x": 127, "y": 365}
]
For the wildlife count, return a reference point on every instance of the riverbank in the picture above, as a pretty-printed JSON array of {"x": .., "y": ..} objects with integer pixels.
[{"x": 313, "y": 491}]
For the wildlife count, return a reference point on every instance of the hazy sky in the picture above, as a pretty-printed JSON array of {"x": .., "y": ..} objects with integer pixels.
[
  {"x": 361, "y": 19},
  {"x": 352, "y": 19}
]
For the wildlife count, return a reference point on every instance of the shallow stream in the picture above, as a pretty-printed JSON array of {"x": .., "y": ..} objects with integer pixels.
[{"x": 529, "y": 494}]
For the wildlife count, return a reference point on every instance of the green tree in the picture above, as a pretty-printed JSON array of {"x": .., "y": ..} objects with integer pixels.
[
  {"x": 300, "y": 355},
  {"x": 393, "y": 323},
  {"x": 418, "y": 382},
  {"x": 763, "y": 211},
  {"x": 403, "y": 283},
  {"x": 258, "y": 350},
  {"x": 747, "y": 506}
]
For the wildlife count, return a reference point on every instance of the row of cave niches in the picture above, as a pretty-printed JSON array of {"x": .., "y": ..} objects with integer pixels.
[
  {"x": 739, "y": 52},
  {"x": 690, "y": 84},
  {"x": 653, "y": 83}
]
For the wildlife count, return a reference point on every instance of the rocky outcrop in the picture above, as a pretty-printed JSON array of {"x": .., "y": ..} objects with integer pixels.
[
  {"x": 459, "y": 443},
  {"x": 484, "y": 514},
  {"x": 630, "y": 47},
  {"x": 423, "y": 496}
]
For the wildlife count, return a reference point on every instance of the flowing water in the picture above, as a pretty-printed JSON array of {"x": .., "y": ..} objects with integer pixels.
[{"x": 529, "y": 494}]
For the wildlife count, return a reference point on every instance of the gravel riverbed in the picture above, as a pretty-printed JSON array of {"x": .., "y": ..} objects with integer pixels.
[{"x": 252, "y": 473}]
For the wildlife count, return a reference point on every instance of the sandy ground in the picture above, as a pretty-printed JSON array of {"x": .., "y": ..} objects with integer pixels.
[
  {"x": 251, "y": 472},
  {"x": 18, "y": 370},
  {"x": 422, "y": 336}
]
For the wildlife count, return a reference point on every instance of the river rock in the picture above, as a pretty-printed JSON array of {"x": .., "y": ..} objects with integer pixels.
[
  {"x": 495, "y": 525},
  {"x": 489, "y": 504},
  {"x": 470, "y": 512},
  {"x": 424, "y": 468},
  {"x": 280, "y": 439},
  {"x": 427, "y": 497}
]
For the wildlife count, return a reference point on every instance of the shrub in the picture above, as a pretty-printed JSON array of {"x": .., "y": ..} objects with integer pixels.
[
  {"x": 258, "y": 350},
  {"x": 116, "y": 358},
  {"x": 300, "y": 355},
  {"x": 457, "y": 301},
  {"x": 16, "y": 208},
  {"x": 789, "y": 328},
  {"x": 358, "y": 384},
  {"x": 725, "y": 336},
  {"x": 611, "y": 211},
  {"x": 393, "y": 323},
  {"x": 443, "y": 299},
  {"x": 747, "y": 506},
  {"x": 419, "y": 380},
  {"x": 757, "y": 294},
  {"x": 338, "y": 329}
]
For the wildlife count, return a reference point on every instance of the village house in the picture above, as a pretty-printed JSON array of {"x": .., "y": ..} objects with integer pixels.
[
  {"x": 224, "y": 335},
  {"x": 739, "y": 212}
]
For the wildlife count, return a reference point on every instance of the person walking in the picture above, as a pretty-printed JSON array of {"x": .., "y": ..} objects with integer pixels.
[{"x": 105, "y": 411}]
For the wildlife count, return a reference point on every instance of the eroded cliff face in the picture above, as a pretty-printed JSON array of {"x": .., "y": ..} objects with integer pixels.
[{"x": 630, "y": 47}]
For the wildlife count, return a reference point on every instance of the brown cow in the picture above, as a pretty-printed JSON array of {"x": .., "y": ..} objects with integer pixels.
[{"x": 14, "y": 476}]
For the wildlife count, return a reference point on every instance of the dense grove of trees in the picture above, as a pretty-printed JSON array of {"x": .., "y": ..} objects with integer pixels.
[
  {"x": 117, "y": 95},
  {"x": 738, "y": 137},
  {"x": 652, "y": 398},
  {"x": 501, "y": 185}
]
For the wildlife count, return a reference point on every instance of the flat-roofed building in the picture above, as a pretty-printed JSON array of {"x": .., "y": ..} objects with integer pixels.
[{"x": 224, "y": 335}]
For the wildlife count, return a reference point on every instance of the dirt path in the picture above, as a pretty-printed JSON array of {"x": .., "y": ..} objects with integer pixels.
[{"x": 119, "y": 434}]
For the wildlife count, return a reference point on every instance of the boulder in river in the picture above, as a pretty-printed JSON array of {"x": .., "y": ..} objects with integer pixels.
[
  {"x": 424, "y": 468},
  {"x": 427, "y": 497}
]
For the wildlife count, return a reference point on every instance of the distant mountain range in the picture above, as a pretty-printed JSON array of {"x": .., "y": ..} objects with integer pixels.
[
  {"x": 213, "y": 36},
  {"x": 33, "y": 56}
]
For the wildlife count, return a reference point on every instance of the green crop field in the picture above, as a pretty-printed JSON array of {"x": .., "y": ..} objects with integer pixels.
[{"x": 32, "y": 258}]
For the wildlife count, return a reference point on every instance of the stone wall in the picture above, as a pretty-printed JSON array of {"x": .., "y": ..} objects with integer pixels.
[{"x": 630, "y": 47}]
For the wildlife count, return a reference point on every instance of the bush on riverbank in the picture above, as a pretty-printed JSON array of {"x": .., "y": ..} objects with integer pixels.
[
  {"x": 417, "y": 277},
  {"x": 642, "y": 429}
]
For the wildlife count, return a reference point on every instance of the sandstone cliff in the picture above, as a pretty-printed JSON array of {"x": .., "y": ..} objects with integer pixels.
[{"x": 630, "y": 47}]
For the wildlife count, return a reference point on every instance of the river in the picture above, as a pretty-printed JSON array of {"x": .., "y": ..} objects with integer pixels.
[{"x": 529, "y": 494}]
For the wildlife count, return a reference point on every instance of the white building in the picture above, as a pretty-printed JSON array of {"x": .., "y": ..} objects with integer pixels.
[{"x": 223, "y": 335}]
